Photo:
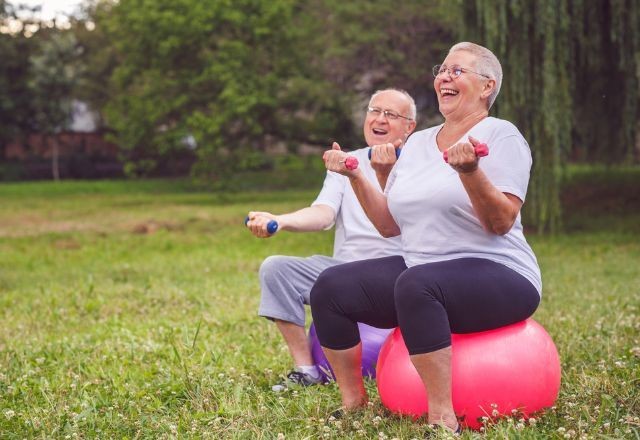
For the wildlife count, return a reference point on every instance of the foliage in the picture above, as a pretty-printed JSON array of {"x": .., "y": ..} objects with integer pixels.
[
  {"x": 361, "y": 47},
  {"x": 15, "y": 105},
  {"x": 243, "y": 77},
  {"x": 51, "y": 79},
  {"x": 224, "y": 83},
  {"x": 52, "y": 75},
  {"x": 530, "y": 39},
  {"x": 96, "y": 56},
  {"x": 220, "y": 71},
  {"x": 560, "y": 59},
  {"x": 129, "y": 311},
  {"x": 605, "y": 50}
]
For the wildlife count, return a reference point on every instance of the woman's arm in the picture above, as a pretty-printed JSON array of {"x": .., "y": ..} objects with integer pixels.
[
  {"x": 373, "y": 202},
  {"x": 497, "y": 211},
  {"x": 375, "y": 206}
]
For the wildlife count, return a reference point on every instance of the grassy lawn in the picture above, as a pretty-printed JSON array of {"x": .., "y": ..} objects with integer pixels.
[{"x": 128, "y": 310}]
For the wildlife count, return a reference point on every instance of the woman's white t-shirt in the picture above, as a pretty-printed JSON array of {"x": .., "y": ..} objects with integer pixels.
[{"x": 430, "y": 205}]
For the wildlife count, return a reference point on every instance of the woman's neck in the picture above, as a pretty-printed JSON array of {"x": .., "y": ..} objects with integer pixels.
[{"x": 453, "y": 129}]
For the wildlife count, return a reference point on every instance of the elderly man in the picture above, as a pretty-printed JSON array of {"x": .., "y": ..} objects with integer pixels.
[{"x": 286, "y": 281}]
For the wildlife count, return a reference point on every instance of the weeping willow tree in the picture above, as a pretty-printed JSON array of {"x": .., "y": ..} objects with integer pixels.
[
  {"x": 570, "y": 74},
  {"x": 605, "y": 73}
]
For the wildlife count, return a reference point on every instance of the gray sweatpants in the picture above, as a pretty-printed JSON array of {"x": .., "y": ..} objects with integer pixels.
[{"x": 286, "y": 283}]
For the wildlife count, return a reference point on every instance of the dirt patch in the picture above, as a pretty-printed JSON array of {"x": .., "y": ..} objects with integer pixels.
[{"x": 152, "y": 226}]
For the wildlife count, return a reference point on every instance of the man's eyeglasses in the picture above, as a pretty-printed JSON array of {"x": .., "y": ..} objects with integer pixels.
[
  {"x": 454, "y": 71},
  {"x": 389, "y": 114}
]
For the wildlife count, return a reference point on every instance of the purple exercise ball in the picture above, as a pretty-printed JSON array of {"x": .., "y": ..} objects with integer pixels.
[{"x": 372, "y": 339}]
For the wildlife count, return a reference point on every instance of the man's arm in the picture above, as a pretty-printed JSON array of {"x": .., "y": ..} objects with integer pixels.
[{"x": 311, "y": 219}]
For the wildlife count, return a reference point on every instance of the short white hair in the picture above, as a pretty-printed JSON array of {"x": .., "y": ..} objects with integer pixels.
[
  {"x": 487, "y": 64},
  {"x": 412, "y": 104}
]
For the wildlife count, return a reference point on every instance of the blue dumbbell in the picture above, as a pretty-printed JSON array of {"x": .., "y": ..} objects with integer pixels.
[
  {"x": 397, "y": 153},
  {"x": 272, "y": 226}
]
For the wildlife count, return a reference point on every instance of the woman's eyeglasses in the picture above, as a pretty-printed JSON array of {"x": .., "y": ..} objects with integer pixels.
[{"x": 453, "y": 71}]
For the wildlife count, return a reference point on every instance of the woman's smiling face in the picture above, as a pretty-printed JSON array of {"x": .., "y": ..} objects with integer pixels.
[{"x": 465, "y": 94}]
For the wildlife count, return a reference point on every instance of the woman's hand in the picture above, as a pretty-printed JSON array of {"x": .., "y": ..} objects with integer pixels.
[
  {"x": 334, "y": 160},
  {"x": 462, "y": 156}
]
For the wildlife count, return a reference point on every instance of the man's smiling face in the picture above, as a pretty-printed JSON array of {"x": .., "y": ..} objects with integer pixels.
[{"x": 380, "y": 129}]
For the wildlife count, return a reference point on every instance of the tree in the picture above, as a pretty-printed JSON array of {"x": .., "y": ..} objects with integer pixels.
[
  {"x": 52, "y": 76},
  {"x": 362, "y": 46},
  {"x": 241, "y": 75},
  {"x": 605, "y": 72},
  {"x": 96, "y": 55},
  {"x": 15, "y": 104},
  {"x": 568, "y": 64},
  {"x": 217, "y": 70}
]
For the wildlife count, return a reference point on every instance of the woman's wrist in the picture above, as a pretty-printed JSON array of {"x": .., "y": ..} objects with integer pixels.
[
  {"x": 469, "y": 173},
  {"x": 355, "y": 175}
]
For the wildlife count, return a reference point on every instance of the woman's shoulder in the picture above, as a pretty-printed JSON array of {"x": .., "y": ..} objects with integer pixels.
[{"x": 502, "y": 127}]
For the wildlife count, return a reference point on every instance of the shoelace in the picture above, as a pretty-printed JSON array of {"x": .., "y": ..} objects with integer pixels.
[{"x": 298, "y": 377}]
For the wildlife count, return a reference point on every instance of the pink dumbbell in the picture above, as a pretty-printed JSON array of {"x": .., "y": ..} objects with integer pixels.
[
  {"x": 351, "y": 163},
  {"x": 481, "y": 151}
]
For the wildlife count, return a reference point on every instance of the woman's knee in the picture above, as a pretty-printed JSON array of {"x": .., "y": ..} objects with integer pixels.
[
  {"x": 413, "y": 284},
  {"x": 327, "y": 288}
]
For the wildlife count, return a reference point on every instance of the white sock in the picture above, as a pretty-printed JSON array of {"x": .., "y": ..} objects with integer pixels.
[{"x": 311, "y": 370}]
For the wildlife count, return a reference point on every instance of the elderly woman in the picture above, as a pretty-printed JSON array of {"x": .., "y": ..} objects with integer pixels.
[{"x": 465, "y": 264}]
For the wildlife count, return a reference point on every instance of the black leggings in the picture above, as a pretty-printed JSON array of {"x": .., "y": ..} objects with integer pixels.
[{"x": 428, "y": 302}]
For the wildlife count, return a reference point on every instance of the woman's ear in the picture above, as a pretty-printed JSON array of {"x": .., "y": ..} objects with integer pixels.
[{"x": 488, "y": 88}]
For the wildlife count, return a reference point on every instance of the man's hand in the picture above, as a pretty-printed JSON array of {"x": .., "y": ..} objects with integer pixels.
[
  {"x": 383, "y": 158},
  {"x": 258, "y": 222}
]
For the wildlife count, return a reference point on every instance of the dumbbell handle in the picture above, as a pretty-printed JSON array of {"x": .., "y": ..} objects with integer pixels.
[
  {"x": 480, "y": 149},
  {"x": 397, "y": 153},
  {"x": 272, "y": 226},
  {"x": 351, "y": 162}
]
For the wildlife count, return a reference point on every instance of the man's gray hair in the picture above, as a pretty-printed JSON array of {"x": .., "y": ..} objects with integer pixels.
[
  {"x": 412, "y": 104},
  {"x": 487, "y": 64}
]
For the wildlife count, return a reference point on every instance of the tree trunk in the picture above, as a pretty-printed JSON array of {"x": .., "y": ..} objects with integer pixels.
[{"x": 55, "y": 155}]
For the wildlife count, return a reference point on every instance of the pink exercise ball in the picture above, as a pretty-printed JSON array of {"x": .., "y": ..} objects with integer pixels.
[
  {"x": 493, "y": 372},
  {"x": 372, "y": 339}
]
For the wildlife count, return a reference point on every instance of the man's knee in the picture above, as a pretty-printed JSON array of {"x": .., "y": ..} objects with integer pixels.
[{"x": 274, "y": 266}]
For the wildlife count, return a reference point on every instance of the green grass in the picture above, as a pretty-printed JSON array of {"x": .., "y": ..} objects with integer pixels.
[{"x": 128, "y": 310}]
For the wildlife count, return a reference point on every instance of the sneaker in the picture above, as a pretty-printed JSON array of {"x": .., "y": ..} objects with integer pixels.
[{"x": 296, "y": 378}]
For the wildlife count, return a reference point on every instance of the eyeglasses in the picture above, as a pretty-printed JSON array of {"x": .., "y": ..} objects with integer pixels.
[
  {"x": 454, "y": 71},
  {"x": 389, "y": 114}
]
